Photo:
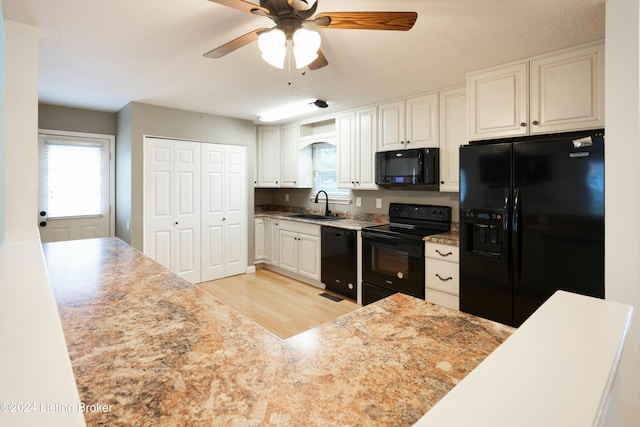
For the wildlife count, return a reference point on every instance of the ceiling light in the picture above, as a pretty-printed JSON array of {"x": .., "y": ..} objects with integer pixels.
[
  {"x": 305, "y": 47},
  {"x": 292, "y": 110},
  {"x": 274, "y": 45}
]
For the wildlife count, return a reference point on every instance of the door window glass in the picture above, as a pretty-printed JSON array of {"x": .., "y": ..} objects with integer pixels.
[{"x": 73, "y": 179}]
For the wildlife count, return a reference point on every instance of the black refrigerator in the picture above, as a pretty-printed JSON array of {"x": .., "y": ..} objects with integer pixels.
[{"x": 531, "y": 223}]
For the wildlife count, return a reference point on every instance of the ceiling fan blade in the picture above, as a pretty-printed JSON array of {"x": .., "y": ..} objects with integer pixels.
[
  {"x": 242, "y": 5},
  {"x": 397, "y": 21},
  {"x": 234, "y": 44},
  {"x": 319, "y": 62}
]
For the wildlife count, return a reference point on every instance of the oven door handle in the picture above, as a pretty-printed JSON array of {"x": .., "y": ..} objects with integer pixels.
[{"x": 380, "y": 236}]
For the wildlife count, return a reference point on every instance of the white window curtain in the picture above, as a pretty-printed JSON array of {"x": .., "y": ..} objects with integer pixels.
[{"x": 74, "y": 179}]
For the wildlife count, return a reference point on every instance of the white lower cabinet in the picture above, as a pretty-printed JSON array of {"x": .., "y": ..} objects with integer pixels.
[
  {"x": 442, "y": 274},
  {"x": 262, "y": 228},
  {"x": 299, "y": 248}
]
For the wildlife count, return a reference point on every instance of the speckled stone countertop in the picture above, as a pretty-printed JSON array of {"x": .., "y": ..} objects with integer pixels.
[
  {"x": 160, "y": 351},
  {"x": 346, "y": 223},
  {"x": 450, "y": 238}
]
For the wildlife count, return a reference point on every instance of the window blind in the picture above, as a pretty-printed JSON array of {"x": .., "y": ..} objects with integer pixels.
[{"x": 73, "y": 179}]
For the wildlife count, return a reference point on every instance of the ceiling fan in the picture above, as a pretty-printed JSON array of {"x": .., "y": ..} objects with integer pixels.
[{"x": 288, "y": 35}]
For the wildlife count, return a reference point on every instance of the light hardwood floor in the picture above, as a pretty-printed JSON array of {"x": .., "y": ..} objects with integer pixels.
[{"x": 281, "y": 305}]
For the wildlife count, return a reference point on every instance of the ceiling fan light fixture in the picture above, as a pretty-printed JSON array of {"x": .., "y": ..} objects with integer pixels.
[
  {"x": 305, "y": 46},
  {"x": 273, "y": 46},
  {"x": 292, "y": 110}
]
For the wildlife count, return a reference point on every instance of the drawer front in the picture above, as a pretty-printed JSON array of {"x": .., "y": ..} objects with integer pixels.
[
  {"x": 442, "y": 276},
  {"x": 443, "y": 299},
  {"x": 443, "y": 252}
]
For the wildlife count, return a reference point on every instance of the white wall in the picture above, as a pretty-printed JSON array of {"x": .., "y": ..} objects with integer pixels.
[
  {"x": 34, "y": 362},
  {"x": 622, "y": 186},
  {"x": 21, "y": 191}
]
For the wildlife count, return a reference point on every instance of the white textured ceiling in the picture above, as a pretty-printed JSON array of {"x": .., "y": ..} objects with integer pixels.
[{"x": 103, "y": 54}]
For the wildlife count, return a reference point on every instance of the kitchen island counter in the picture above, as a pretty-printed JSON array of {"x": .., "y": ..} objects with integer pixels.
[{"x": 157, "y": 350}]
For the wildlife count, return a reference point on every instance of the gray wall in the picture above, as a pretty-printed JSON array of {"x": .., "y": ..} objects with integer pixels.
[
  {"x": 137, "y": 120},
  {"x": 54, "y": 117}
]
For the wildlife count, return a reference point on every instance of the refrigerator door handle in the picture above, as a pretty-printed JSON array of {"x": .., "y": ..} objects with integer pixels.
[
  {"x": 515, "y": 230},
  {"x": 505, "y": 214}
]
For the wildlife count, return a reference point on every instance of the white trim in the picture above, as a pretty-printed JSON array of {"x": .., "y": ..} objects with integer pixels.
[{"x": 112, "y": 166}]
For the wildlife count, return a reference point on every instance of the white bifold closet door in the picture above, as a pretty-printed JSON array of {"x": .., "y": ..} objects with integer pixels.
[
  {"x": 195, "y": 208},
  {"x": 224, "y": 211},
  {"x": 172, "y": 205}
]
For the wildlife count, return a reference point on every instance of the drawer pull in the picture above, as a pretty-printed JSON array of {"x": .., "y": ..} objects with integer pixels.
[
  {"x": 441, "y": 254},
  {"x": 444, "y": 280}
]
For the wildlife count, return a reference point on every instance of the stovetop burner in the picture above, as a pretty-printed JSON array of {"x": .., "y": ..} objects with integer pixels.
[{"x": 412, "y": 221}]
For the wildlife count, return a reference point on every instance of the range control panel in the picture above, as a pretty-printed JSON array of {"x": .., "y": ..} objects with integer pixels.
[{"x": 420, "y": 212}]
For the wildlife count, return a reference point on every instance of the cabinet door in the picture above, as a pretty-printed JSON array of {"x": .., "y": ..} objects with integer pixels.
[
  {"x": 366, "y": 139},
  {"x": 453, "y": 134},
  {"x": 172, "y": 205},
  {"x": 497, "y": 102},
  {"x": 345, "y": 126},
  {"x": 567, "y": 91},
  {"x": 268, "y": 156},
  {"x": 288, "y": 245},
  {"x": 392, "y": 126},
  {"x": 235, "y": 207},
  {"x": 309, "y": 256},
  {"x": 274, "y": 255},
  {"x": 422, "y": 121},
  {"x": 288, "y": 157},
  {"x": 224, "y": 247},
  {"x": 187, "y": 219},
  {"x": 213, "y": 186},
  {"x": 260, "y": 242},
  {"x": 159, "y": 208}
]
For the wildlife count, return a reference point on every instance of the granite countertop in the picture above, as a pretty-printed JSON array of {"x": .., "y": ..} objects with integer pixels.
[
  {"x": 159, "y": 351},
  {"x": 346, "y": 223},
  {"x": 450, "y": 238}
]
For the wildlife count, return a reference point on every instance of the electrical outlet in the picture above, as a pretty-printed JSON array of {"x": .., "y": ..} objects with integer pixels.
[
  {"x": 378, "y": 203},
  {"x": 286, "y": 197},
  {"x": 358, "y": 201}
]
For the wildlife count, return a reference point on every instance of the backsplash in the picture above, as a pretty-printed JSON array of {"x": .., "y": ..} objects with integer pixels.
[{"x": 358, "y": 216}]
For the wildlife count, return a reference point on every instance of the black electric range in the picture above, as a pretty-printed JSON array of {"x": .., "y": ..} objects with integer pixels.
[{"x": 393, "y": 254}]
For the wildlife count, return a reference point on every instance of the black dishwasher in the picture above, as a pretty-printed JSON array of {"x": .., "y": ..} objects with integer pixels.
[{"x": 339, "y": 261}]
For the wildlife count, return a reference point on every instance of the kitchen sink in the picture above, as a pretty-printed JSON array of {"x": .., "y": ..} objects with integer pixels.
[{"x": 313, "y": 216}]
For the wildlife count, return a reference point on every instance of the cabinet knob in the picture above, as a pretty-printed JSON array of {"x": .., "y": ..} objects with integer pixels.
[
  {"x": 535, "y": 123},
  {"x": 408, "y": 142},
  {"x": 358, "y": 182},
  {"x": 523, "y": 124},
  {"x": 441, "y": 182}
]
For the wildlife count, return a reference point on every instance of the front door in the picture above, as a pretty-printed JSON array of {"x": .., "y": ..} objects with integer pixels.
[{"x": 74, "y": 186}]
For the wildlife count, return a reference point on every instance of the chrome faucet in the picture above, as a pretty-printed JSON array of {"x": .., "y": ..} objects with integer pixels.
[{"x": 326, "y": 206}]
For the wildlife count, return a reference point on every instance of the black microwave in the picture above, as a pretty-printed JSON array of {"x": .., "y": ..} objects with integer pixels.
[{"x": 417, "y": 169}]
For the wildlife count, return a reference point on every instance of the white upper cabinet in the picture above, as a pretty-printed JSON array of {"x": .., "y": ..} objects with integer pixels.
[
  {"x": 268, "y": 156},
  {"x": 498, "y": 102},
  {"x": 357, "y": 140},
  {"x": 281, "y": 161},
  {"x": 557, "y": 92},
  {"x": 567, "y": 91},
  {"x": 409, "y": 123},
  {"x": 453, "y": 134}
]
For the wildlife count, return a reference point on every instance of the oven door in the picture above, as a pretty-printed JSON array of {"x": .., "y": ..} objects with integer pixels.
[{"x": 393, "y": 263}]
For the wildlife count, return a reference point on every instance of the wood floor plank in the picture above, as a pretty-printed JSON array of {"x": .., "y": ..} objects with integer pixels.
[{"x": 278, "y": 303}]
